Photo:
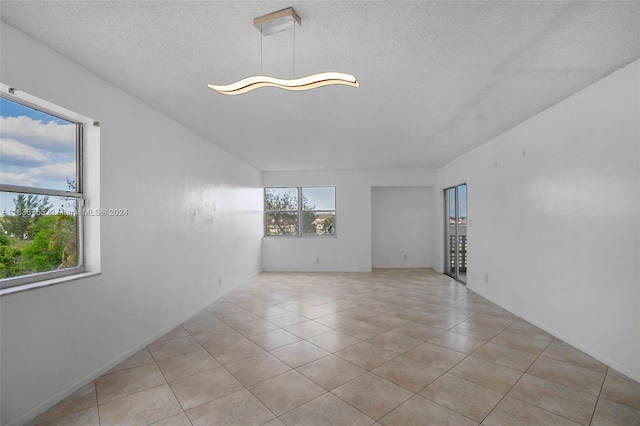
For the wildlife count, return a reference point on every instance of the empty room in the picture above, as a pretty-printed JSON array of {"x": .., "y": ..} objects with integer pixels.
[{"x": 319, "y": 213}]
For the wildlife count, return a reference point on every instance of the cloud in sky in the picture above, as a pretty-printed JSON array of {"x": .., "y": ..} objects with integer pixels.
[
  {"x": 55, "y": 172},
  {"x": 50, "y": 136},
  {"x": 36, "y": 152},
  {"x": 16, "y": 153},
  {"x": 21, "y": 179}
]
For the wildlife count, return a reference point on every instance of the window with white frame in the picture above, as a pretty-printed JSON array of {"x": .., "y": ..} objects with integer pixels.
[
  {"x": 41, "y": 193},
  {"x": 300, "y": 211}
]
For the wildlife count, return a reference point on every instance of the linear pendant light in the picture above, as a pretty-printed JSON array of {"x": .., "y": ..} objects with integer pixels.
[{"x": 272, "y": 23}]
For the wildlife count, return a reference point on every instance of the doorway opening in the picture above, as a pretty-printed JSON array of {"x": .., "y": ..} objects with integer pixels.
[{"x": 455, "y": 232}]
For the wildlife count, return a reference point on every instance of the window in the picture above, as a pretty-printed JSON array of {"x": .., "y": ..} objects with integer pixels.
[
  {"x": 300, "y": 211},
  {"x": 41, "y": 192}
]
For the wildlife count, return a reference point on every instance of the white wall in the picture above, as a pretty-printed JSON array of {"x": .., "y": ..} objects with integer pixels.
[
  {"x": 194, "y": 216},
  {"x": 402, "y": 223},
  {"x": 553, "y": 205},
  {"x": 351, "y": 249}
]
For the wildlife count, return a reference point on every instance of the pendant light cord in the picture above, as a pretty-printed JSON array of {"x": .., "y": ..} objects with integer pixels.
[
  {"x": 293, "y": 66},
  {"x": 261, "y": 37}
]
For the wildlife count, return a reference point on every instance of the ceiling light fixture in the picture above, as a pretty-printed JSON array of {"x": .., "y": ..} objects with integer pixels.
[{"x": 272, "y": 23}]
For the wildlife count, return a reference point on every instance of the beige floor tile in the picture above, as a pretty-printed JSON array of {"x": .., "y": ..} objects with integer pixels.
[
  {"x": 307, "y": 329},
  {"x": 366, "y": 355},
  {"x": 173, "y": 347},
  {"x": 295, "y": 305},
  {"x": 274, "y": 422},
  {"x": 360, "y": 313},
  {"x": 257, "y": 368},
  {"x": 372, "y": 395},
  {"x": 142, "y": 357},
  {"x": 612, "y": 372},
  {"x": 236, "y": 317},
  {"x": 286, "y": 392},
  {"x": 386, "y": 321},
  {"x": 579, "y": 378},
  {"x": 331, "y": 371},
  {"x": 252, "y": 328},
  {"x": 418, "y": 331},
  {"x": 394, "y": 342},
  {"x": 435, "y": 356},
  {"x": 334, "y": 340},
  {"x": 512, "y": 412},
  {"x": 237, "y": 409},
  {"x": 274, "y": 339},
  {"x": 438, "y": 321},
  {"x": 174, "y": 334},
  {"x": 339, "y": 305},
  {"x": 362, "y": 330},
  {"x": 267, "y": 310},
  {"x": 395, "y": 311},
  {"x": 141, "y": 408},
  {"x": 86, "y": 417},
  {"x": 463, "y": 397},
  {"x": 521, "y": 342},
  {"x": 507, "y": 357},
  {"x": 335, "y": 320},
  {"x": 562, "y": 400},
  {"x": 523, "y": 327},
  {"x": 234, "y": 351},
  {"x": 80, "y": 400},
  {"x": 203, "y": 314},
  {"x": 419, "y": 411},
  {"x": 484, "y": 373},
  {"x": 474, "y": 330},
  {"x": 222, "y": 306},
  {"x": 406, "y": 313},
  {"x": 457, "y": 342},
  {"x": 622, "y": 391},
  {"x": 312, "y": 312},
  {"x": 285, "y": 320},
  {"x": 203, "y": 325},
  {"x": 326, "y": 410},
  {"x": 218, "y": 336},
  {"x": 612, "y": 414},
  {"x": 491, "y": 321},
  {"x": 177, "y": 420},
  {"x": 408, "y": 373},
  {"x": 185, "y": 365},
  {"x": 499, "y": 312},
  {"x": 203, "y": 387},
  {"x": 299, "y": 353},
  {"x": 126, "y": 382},
  {"x": 561, "y": 351}
]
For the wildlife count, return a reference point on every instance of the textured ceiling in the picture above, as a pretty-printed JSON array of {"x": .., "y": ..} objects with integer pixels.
[{"x": 437, "y": 79}]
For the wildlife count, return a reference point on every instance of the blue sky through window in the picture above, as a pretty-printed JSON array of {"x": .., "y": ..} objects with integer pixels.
[{"x": 36, "y": 149}]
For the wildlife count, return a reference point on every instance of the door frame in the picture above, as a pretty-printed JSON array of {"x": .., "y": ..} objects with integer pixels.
[{"x": 447, "y": 236}]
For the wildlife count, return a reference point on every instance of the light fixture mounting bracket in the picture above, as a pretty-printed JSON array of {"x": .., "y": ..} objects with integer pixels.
[{"x": 282, "y": 20}]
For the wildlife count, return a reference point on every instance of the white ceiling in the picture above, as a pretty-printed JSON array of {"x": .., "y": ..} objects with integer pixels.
[{"x": 436, "y": 78}]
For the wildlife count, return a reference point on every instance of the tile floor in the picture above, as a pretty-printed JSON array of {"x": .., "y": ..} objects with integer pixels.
[{"x": 392, "y": 347}]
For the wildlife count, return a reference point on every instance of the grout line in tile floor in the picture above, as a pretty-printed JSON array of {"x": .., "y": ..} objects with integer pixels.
[{"x": 380, "y": 302}]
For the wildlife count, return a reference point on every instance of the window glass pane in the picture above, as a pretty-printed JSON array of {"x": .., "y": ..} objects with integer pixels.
[
  {"x": 318, "y": 223},
  {"x": 282, "y": 223},
  {"x": 452, "y": 205},
  {"x": 37, "y": 149},
  {"x": 319, "y": 198},
  {"x": 462, "y": 204},
  {"x": 37, "y": 234},
  {"x": 281, "y": 199}
]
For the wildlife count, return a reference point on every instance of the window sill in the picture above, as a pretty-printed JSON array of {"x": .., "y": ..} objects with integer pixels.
[{"x": 47, "y": 283}]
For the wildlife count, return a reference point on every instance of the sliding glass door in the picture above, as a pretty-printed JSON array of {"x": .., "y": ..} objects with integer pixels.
[{"x": 455, "y": 232}]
